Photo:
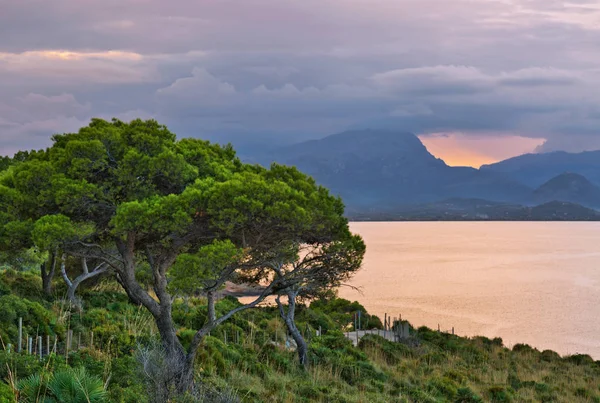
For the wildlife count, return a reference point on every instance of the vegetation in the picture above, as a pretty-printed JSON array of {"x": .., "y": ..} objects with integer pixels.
[{"x": 247, "y": 360}]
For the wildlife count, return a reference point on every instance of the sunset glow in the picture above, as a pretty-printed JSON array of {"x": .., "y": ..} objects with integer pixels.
[{"x": 458, "y": 149}]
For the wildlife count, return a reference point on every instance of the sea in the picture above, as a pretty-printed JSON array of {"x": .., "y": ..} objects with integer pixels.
[{"x": 536, "y": 283}]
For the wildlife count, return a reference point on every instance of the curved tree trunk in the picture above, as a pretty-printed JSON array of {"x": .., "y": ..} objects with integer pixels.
[{"x": 289, "y": 320}]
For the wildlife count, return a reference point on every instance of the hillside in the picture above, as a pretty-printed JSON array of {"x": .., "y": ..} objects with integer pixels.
[
  {"x": 569, "y": 187},
  {"x": 535, "y": 169},
  {"x": 378, "y": 168},
  {"x": 247, "y": 360}
]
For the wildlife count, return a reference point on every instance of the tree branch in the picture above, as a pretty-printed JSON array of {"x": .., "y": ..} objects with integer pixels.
[
  {"x": 200, "y": 334},
  {"x": 63, "y": 271}
]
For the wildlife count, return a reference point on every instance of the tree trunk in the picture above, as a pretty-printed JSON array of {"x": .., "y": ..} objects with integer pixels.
[
  {"x": 289, "y": 320},
  {"x": 211, "y": 301},
  {"x": 48, "y": 270},
  {"x": 179, "y": 370}
]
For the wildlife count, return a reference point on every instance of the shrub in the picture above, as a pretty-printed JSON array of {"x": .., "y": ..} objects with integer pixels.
[
  {"x": 499, "y": 394},
  {"x": 6, "y": 393},
  {"x": 22, "y": 284},
  {"x": 444, "y": 386},
  {"x": 580, "y": 359},
  {"x": 36, "y": 318},
  {"x": 523, "y": 348},
  {"x": 466, "y": 395},
  {"x": 71, "y": 385},
  {"x": 549, "y": 356},
  {"x": 392, "y": 352}
]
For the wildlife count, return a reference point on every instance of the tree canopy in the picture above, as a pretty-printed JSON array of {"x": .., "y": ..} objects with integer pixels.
[{"x": 127, "y": 195}]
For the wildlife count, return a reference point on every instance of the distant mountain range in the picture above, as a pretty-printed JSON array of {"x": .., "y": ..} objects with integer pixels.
[
  {"x": 390, "y": 172},
  {"x": 535, "y": 169}
]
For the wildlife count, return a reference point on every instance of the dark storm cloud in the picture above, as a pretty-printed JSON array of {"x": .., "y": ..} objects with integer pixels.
[{"x": 300, "y": 69}]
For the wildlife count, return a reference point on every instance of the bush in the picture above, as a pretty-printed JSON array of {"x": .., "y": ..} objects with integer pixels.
[
  {"x": 392, "y": 352},
  {"x": 466, "y": 395},
  {"x": 499, "y": 394},
  {"x": 523, "y": 348},
  {"x": 22, "y": 284},
  {"x": 6, "y": 393},
  {"x": 36, "y": 318},
  {"x": 580, "y": 359},
  {"x": 549, "y": 356},
  {"x": 71, "y": 385},
  {"x": 444, "y": 386}
]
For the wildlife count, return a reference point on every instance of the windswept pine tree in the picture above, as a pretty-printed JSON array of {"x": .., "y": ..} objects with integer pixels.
[{"x": 130, "y": 196}]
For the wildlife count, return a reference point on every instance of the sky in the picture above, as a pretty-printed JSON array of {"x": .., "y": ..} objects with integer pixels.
[{"x": 477, "y": 80}]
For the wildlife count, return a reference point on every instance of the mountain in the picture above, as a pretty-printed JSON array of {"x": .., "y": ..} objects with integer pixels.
[
  {"x": 381, "y": 169},
  {"x": 569, "y": 187},
  {"x": 535, "y": 169}
]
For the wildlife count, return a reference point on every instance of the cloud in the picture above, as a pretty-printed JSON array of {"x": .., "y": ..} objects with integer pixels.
[
  {"x": 436, "y": 80},
  {"x": 68, "y": 68},
  {"x": 269, "y": 69}
]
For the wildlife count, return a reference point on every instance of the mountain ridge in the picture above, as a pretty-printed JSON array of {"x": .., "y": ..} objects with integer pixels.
[
  {"x": 536, "y": 169},
  {"x": 388, "y": 169}
]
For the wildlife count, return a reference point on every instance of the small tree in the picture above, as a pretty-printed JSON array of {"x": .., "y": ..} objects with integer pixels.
[
  {"x": 311, "y": 272},
  {"x": 52, "y": 232},
  {"x": 17, "y": 215}
]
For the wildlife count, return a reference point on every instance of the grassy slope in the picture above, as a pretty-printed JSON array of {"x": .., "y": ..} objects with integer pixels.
[{"x": 257, "y": 368}]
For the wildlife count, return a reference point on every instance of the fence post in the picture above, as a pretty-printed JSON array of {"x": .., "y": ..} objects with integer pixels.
[
  {"x": 47, "y": 344},
  {"x": 40, "y": 347},
  {"x": 92, "y": 340},
  {"x": 29, "y": 345},
  {"x": 20, "y": 343}
]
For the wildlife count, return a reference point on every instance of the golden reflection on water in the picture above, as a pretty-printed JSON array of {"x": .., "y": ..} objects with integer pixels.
[{"x": 527, "y": 282}]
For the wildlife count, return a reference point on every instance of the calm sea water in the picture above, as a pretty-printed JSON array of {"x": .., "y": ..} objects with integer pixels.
[{"x": 534, "y": 283}]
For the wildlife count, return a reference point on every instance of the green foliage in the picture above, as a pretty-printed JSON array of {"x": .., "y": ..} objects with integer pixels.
[
  {"x": 193, "y": 272},
  {"x": 500, "y": 394},
  {"x": 66, "y": 386},
  {"x": 7, "y": 395},
  {"x": 36, "y": 319},
  {"x": 50, "y": 231},
  {"x": 392, "y": 353},
  {"x": 466, "y": 395},
  {"x": 342, "y": 312},
  {"x": 436, "y": 368},
  {"x": 22, "y": 284}
]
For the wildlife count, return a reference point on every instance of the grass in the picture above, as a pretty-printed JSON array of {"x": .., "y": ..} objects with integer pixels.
[{"x": 435, "y": 367}]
